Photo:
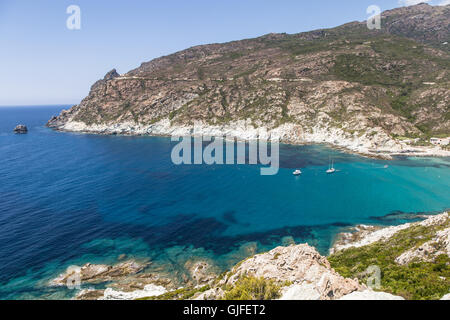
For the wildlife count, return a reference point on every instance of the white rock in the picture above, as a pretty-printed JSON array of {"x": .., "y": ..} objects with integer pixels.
[
  {"x": 373, "y": 142},
  {"x": 370, "y": 295},
  {"x": 386, "y": 233},
  {"x": 149, "y": 290},
  {"x": 304, "y": 291},
  {"x": 446, "y": 297}
]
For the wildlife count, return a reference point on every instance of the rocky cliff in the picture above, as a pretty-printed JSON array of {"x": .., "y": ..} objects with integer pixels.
[{"x": 349, "y": 86}]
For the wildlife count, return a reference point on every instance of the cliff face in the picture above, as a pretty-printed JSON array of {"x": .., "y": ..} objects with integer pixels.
[{"x": 355, "y": 82}]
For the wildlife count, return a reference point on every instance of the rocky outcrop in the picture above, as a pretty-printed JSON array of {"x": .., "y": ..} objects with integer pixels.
[
  {"x": 97, "y": 273},
  {"x": 21, "y": 129},
  {"x": 428, "y": 251},
  {"x": 356, "y": 234},
  {"x": 111, "y": 75},
  {"x": 309, "y": 274},
  {"x": 201, "y": 272}
]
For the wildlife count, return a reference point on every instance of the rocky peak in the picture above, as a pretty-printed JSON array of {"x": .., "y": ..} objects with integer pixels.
[{"x": 111, "y": 75}]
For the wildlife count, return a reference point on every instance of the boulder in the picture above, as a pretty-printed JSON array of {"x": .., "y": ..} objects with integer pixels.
[{"x": 310, "y": 273}]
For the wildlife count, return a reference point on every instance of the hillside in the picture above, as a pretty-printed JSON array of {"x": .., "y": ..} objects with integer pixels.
[{"x": 350, "y": 86}]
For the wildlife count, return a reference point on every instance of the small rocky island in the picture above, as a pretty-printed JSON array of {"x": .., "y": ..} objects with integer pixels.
[{"x": 21, "y": 129}]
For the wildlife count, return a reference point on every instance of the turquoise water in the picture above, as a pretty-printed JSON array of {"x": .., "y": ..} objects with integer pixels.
[{"x": 74, "y": 198}]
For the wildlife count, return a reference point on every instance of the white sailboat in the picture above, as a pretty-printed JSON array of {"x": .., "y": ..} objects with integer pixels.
[
  {"x": 331, "y": 168},
  {"x": 297, "y": 173}
]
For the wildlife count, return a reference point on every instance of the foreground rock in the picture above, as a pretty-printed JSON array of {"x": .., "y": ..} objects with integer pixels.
[
  {"x": 200, "y": 272},
  {"x": 21, "y": 129},
  {"x": 308, "y": 274},
  {"x": 97, "y": 273},
  {"x": 125, "y": 281}
]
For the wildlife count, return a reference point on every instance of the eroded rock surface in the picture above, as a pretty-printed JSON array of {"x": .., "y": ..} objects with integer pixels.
[
  {"x": 310, "y": 273},
  {"x": 97, "y": 273},
  {"x": 428, "y": 252}
]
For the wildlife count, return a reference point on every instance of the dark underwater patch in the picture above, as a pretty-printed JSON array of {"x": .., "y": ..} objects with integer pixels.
[
  {"x": 398, "y": 216},
  {"x": 229, "y": 216}
]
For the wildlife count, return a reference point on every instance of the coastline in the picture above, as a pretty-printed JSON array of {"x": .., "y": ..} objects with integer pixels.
[
  {"x": 295, "y": 271},
  {"x": 373, "y": 144}
]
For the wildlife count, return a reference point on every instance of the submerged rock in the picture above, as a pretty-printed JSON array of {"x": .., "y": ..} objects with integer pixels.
[
  {"x": 201, "y": 272},
  {"x": 21, "y": 129}
]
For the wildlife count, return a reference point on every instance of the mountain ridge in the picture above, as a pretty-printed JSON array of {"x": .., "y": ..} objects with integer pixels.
[{"x": 347, "y": 86}]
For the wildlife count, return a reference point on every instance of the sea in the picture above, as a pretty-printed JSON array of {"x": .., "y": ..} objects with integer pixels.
[{"x": 70, "y": 198}]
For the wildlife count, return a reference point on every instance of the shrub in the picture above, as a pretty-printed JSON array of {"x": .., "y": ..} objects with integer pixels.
[{"x": 252, "y": 288}]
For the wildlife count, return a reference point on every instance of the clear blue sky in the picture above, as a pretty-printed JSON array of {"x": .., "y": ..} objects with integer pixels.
[{"x": 42, "y": 62}]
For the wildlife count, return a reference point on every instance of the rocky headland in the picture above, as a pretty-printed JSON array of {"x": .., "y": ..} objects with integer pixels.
[{"x": 373, "y": 92}]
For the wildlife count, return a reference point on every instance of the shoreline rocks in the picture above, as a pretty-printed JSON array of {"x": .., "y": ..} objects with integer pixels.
[
  {"x": 373, "y": 144},
  {"x": 97, "y": 273},
  {"x": 366, "y": 235}
]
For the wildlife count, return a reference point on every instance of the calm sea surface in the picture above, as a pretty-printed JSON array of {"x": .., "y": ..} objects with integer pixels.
[{"x": 67, "y": 199}]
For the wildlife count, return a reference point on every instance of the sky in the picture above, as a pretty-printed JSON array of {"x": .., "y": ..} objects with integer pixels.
[{"x": 42, "y": 62}]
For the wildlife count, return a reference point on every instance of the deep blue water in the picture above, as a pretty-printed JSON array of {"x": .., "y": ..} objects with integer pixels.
[{"x": 74, "y": 198}]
